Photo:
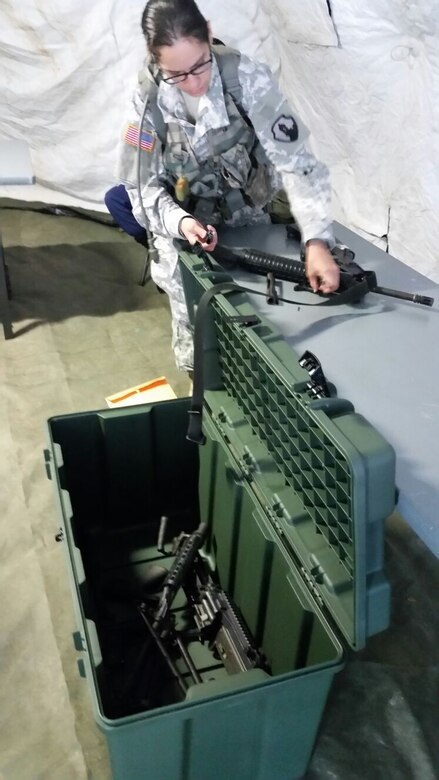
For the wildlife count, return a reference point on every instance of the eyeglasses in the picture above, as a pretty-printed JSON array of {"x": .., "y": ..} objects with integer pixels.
[{"x": 197, "y": 70}]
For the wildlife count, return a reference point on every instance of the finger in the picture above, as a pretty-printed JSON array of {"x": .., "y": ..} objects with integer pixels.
[
  {"x": 326, "y": 287},
  {"x": 213, "y": 243},
  {"x": 314, "y": 281},
  {"x": 189, "y": 230},
  {"x": 209, "y": 246},
  {"x": 329, "y": 283},
  {"x": 332, "y": 278},
  {"x": 194, "y": 231},
  {"x": 196, "y": 236},
  {"x": 210, "y": 239},
  {"x": 210, "y": 232}
]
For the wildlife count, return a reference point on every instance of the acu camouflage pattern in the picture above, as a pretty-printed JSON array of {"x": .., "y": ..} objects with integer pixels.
[
  {"x": 220, "y": 157},
  {"x": 304, "y": 179},
  {"x": 219, "y": 184},
  {"x": 166, "y": 274},
  {"x": 218, "y": 154}
]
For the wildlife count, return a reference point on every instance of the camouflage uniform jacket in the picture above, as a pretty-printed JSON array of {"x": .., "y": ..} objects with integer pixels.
[{"x": 277, "y": 133}]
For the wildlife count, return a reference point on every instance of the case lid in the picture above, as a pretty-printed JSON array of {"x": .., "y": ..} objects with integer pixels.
[{"x": 323, "y": 475}]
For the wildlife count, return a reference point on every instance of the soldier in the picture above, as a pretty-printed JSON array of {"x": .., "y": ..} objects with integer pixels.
[{"x": 217, "y": 141}]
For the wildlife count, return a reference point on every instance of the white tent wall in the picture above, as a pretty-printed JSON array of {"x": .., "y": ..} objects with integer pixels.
[
  {"x": 363, "y": 77},
  {"x": 371, "y": 104}
]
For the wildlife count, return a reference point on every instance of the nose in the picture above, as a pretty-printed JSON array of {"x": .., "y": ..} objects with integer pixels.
[{"x": 193, "y": 81}]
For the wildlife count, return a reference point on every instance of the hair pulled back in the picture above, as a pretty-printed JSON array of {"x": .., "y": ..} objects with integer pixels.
[{"x": 166, "y": 21}]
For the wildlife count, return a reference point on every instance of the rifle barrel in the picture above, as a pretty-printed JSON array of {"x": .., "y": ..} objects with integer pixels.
[
  {"x": 405, "y": 296},
  {"x": 175, "y": 672}
]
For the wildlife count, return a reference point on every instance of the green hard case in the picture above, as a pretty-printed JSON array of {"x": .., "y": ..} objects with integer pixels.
[{"x": 295, "y": 492}]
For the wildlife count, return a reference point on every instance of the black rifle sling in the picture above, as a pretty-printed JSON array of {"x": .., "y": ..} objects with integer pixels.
[{"x": 195, "y": 432}]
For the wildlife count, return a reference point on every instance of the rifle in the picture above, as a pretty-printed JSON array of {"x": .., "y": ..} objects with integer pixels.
[
  {"x": 354, "y": 280},
  {"x": 217, "y": 621}
]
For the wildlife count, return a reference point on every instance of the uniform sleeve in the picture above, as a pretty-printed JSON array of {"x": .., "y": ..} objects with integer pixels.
[
  {"x": 283, "y": 137},
  {"x": 162, "y": 212}
]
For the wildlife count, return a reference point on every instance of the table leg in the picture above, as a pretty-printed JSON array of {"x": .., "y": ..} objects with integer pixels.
[{"x": 5, "y": 294}]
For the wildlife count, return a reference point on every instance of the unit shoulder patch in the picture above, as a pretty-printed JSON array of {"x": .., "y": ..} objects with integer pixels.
[
  {"x": 147, "y": 138},
  {"x": 285, "y": 129}
]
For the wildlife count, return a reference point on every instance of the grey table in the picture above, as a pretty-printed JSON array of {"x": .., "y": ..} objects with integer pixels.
[{"x": 380, "y": 354}]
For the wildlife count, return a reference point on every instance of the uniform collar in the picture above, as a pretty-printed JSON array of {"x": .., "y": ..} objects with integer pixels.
[{"x": 212, "y": 112}]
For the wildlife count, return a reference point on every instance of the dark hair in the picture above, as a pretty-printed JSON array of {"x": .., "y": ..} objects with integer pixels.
[{"x": 166, "y": 21}]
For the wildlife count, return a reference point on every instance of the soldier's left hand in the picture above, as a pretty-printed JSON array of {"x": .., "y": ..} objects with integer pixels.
[{"x": 321, "y": 269}]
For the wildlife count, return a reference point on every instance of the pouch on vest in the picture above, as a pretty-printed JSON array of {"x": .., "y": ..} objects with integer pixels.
[
  {"x": 259, "y": 188},
  {"x": 235, "y": 166},
  {"x": 279, "y": 208}
]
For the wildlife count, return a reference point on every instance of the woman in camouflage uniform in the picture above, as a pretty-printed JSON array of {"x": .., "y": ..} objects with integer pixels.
[{"x": 217, "y": 141}]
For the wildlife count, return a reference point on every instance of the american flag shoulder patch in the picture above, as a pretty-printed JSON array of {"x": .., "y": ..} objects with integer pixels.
[{"x": 147, "y": 138}]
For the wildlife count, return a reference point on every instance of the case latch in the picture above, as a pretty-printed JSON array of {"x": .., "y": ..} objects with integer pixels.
[{"x": 317, "y": 386}]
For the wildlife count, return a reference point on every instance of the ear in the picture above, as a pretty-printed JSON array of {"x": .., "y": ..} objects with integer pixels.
[{"x": 209, "y": 27}]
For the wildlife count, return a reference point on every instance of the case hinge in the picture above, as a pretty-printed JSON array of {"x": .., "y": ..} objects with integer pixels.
[
  {"x": 311, "y": 577},
  {"x": 310, "y": 581},
  {"x": 273, "y": 514},
  {"x": 247, "y": 465}
]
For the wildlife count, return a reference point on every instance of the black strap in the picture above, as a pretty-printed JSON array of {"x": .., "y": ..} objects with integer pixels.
[
  {"x": 195, "y": 432},
  {"x": 271, "y": 294}
]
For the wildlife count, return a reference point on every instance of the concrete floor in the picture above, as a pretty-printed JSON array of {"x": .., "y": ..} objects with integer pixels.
[{"x": 85, "y": 329}]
